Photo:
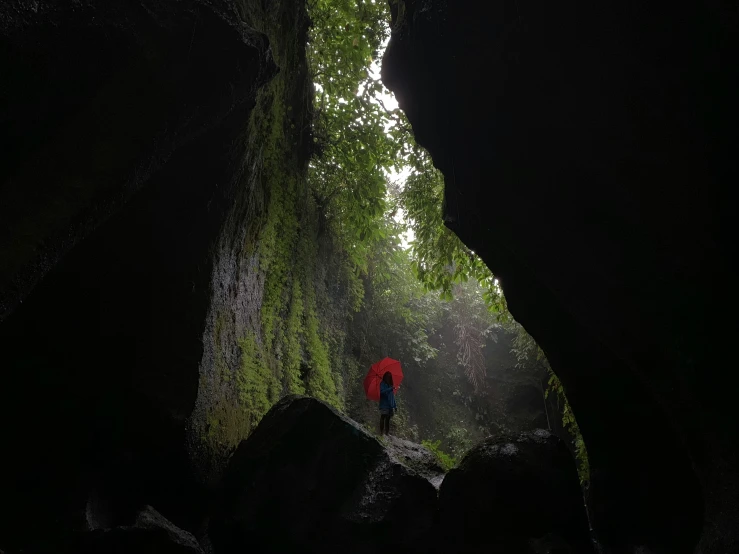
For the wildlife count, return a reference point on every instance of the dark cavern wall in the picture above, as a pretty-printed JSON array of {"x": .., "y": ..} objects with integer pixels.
[
  {"x": 166, "y": 274},
  {"x": 589, "y": 151},
  {"x": 124, "y": 140}
]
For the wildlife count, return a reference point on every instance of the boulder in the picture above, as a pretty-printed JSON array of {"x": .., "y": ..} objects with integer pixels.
[
  {"x": 417, "y": 457},
  {"x": 516, "y": 493},
  {"x": 150, "y": 534},
  {"x": 311, "y": 480}
]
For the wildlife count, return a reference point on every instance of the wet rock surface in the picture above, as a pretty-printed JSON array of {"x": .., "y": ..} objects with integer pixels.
[
  {"x": 419, "y": 458},
  {"x": 311, "y": 480},
  {"x": 517, "y": 493}
]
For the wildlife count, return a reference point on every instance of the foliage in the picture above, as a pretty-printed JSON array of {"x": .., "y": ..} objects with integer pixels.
[
  {"x": 360, "y": 141},
  {"x": 339, "y": 290},
  {"x": 472, "y": 324},
  {"x": 396, "y": 320},
  {"x": 570, "y": 424},
  {"x": 400, "y": 319},
  {"x": 441, "y": 260},
  {"x": 347, "y": 177},
  {"x": 527, "y": 353},
  {"x": 397, "y": 316},
  {"x": 445, "y": 460},
  {"x": 524, "y": 347},
  {"x": 458, "y": 440}
]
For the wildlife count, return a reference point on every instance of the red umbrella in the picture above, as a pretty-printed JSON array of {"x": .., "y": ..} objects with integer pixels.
[{"x": 372, "y": 381}]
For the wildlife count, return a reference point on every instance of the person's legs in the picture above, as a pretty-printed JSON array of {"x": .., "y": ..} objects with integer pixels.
[{"x": 384, "y": 424}]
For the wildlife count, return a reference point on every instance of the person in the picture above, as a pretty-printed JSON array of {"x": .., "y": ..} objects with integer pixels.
[{"x": 387, "y": 402}]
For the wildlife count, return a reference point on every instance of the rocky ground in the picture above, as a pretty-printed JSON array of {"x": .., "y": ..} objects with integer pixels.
[{"x": 312, "y": 480}]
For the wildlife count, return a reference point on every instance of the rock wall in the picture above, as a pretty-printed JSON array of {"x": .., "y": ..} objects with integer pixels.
[
  {"x": 166, "y": 275},
  {"x": 589, "y": 157},
  {"x": 122, "y": 158},
  {"x": 281, "y": 282}
]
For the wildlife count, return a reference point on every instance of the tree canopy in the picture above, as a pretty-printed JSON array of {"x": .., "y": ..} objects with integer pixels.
[
  {"x": 337, "y": 282},
  {"x": 361, "y": 142}
]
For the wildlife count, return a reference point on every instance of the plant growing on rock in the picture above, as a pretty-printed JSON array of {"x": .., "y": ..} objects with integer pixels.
[
  {"x": 446, "y": 461},
  {"x": 528, "y": 352}
]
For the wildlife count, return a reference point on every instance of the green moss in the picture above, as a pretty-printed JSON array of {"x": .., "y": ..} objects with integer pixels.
[
  {"x": 446, "y": 461},
  {"x": 226, "y": 427},
  {"x": 321, "y": 382},
  {"x": 257, "y": 386},
  {"x": 296, "y": 344},
  {"x": 293, "y": 350},
  {"x": 287, "y": 250}
]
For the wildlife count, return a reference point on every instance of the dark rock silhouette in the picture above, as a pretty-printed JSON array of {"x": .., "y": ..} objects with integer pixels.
[
  {"x": 309, "y": 479},
  {"x": 119, "y": 171},
  {"x": 589, "y": 152},
  {"x": 517, "y": 493},
  {"x": 151, "y": 533}
]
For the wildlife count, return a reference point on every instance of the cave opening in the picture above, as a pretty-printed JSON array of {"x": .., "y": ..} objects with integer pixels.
[{"x": 215, "y": 218}]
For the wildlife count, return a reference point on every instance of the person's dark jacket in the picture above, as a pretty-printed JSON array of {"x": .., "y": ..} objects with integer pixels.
[{"x": 387, "y": 397}]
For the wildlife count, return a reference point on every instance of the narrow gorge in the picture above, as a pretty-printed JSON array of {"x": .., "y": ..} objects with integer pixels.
[{"x": 213, "y": 221}]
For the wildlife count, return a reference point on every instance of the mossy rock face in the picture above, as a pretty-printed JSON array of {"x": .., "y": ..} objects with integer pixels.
[
  {"x": 277, "y": 320},
  {"x": 309, "y": 479},
  {"x": 121, "y": 169},
  {"x": 510, "y": 492}
]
